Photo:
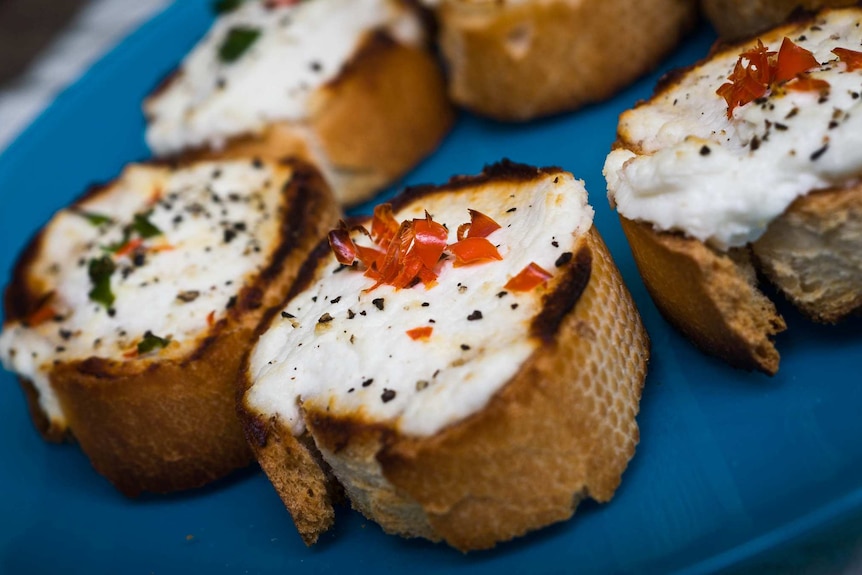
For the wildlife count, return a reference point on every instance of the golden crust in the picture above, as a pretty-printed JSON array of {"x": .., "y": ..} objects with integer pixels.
[
  {"x": 561, "y": 430},
  {"x": 737, "y": 19},
  {"x": 163, "y": 425},
  {"x": 516, "y": 61},
  {"x": 709, "y": 296},
  {"x": 385, "y": 111}
]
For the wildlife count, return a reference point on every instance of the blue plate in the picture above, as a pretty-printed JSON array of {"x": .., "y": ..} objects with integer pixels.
[{"x": 730, "y": 465}]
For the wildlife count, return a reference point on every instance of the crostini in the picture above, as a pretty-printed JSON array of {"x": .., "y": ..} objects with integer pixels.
[
  {"x": 738, "y": 19},
  {"x": 514, "y": 60},
  {"x": 348, "y": 85},
  {"x": 128, "y": 314},
  {"x": 466, "y": 365},
  {"x": 748, "y": 164}
]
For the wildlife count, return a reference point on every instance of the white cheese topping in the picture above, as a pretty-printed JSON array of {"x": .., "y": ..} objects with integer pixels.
[
  {"x": 297, "y": 49},
  {"x": 214, "y": 226},
  {"x": 724, "y": 180},
  {"x": 346, "y": 350}
]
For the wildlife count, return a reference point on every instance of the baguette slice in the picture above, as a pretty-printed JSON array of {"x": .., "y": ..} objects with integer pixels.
[
  {"x": 135, "y": 356},
  {"x": 737, "y": 19},
  {"x": 713, "y": 196},
  {"x": 348, "y": 85},
  {"x": 462, "y": 408},
  {"x": 517, "y": 60}
]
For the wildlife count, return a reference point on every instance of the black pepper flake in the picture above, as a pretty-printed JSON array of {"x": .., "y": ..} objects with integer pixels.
[
  {"x": 378, "y": 303},
  {"x": 755, "y": 143},
  {"x": 351, "y": 390},
  {"x": 781, "y": 127},
  {"x": 350, "y": 314},
  {"x": 815, "y": 155},
  {"x": 465, "y": 347},
  {"x": 287, "y": 315},
  {"x": 325, "y": 318},
  {"x": 229, "y": 234},
  {"x": 791, "y": 113},
  {"x": 59, "y": 349},
  {"x": 231, "y": 302},
  {"x": 315, "y": 66},
  {"x": 335, "y": 299},
  {"x": 314, "y": 299},
  {"x": 139, "y": 259},
  {"x": 112, "y": 312},
  {"x": 555, "y": 243},
  {"x": 563, "y": 259},
  {"x": 556, "y": 179},
  {"x": 514, "y": 306},
  {"x": 367, "y": 382},
  {"x": 705, "y": 150},
  {"x": 387, "y": 395},
  {"x": 257, "y": 163},
  {"x": 188, "y": 295},
  {"x": 510, "y": 210},
  {"x": 475, "y": 315},
  {"x": 65, "y": 334},
  {"x": 362, "y": 313}
]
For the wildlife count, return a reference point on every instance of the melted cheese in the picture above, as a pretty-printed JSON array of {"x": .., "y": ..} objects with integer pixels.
[
  {"x": 218, "y": 230},
  {"x": 299, "y": 48},
  {"x": 346, "y": 350},
  {"x": 720, "y": 180}
]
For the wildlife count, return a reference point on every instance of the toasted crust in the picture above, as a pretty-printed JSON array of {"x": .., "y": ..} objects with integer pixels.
[
  {"x": 385, "y": 111},
  {"x": 710, "y": 297},
  {"x": 166, "y": 425},
  {"x": 521, "y": 60},
  {"x": 735, "y": 19},
  {"x": 562, "y": 429}
]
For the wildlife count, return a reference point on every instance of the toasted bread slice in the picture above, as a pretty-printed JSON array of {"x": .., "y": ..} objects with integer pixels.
[
  {"x": 704, "y": 178},
  {"x": 347, "y": 85},
  {"x": 736, "y": 19},
  {"x": 518, "y": 60},
  {"x": 128, "y": 314},
  {"x": 470, "y": 408}
]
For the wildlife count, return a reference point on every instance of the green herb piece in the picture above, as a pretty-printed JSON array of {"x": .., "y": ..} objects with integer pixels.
[
  {"x": 144, "y": 226},
  {"x": 95, "y": 219},
  {"x": 237, "y": 41},
  {"x": 100, "y": 271},
  {"x": 225, "y": 6},
  {"x": 151, "y": 342}
]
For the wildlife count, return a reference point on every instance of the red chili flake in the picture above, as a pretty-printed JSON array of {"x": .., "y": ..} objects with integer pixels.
[
  {"x": 808, "y": 84},
  {"x": 528, "y": 278},
  {"x": 423, "y": 332},
  {"x": 211, "y": 318},
  {"x": 406, "y": 253},
  {"x": 792, "y": 61},
  {"x": 429, "y": 240},
  {"x": 384, "y": 226},
  {"x": 129, "y": 247},
  {"x": 481, "y": 226},
  {"x": 471, "y": 250},
  {"x": 851, "y": 58},
  {"x": 764, "y": 69},
  {"x": 341, "y": 244},
  {"x": 131, "y": 353}
]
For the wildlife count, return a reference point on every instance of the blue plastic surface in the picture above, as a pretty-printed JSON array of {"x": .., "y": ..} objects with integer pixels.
[{"x": 730, "y": 464}]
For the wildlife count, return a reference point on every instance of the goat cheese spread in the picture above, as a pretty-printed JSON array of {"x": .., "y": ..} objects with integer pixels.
[
  {"x": 142, "y": 266},
  {"x": 261, "y": 63},
  {"x": 689, "y": 167},
  {"x": 346, "y": 349}
]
